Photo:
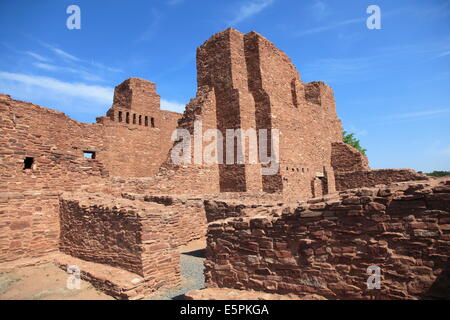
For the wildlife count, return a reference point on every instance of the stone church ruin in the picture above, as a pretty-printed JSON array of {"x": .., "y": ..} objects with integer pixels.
[{"x": 108, "y": 198}]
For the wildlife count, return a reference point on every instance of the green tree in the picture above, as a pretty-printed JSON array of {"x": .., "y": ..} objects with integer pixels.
[
  {"x": 349, "y": 138},
  {"x": 439, "y": 174}
]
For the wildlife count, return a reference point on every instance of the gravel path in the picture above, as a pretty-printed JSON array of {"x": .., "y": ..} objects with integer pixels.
[{"x": 192, "y": 278}]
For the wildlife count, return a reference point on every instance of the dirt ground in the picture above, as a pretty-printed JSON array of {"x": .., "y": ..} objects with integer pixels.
[
  {"x": 48, "y": 282},
  {"x": 44, "y": 282}
]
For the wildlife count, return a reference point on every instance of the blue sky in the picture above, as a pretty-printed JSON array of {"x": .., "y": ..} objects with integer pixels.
[{"x": 392, "y": 86}]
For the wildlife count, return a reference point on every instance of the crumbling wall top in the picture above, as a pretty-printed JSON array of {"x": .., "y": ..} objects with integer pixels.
[{"x": 136, "y": 94}]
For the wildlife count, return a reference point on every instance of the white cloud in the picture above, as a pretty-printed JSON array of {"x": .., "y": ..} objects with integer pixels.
[
  {"x": 423, "y": 115},
  {"x": 30, "y": 87},
  {"x": 79, "y": 72},
  {"x": 45, "y": 66},
  {"x": 61, "y": 53},
  {"x": 250, "y": 9},
  {"x": 102, "y": 66},
  {"x": 341, "y": 70},
  {"x": 153, "y": 27},
  {"x": 337, "y": 25},
  {"x": 172, "y": 105},
  {"x": 64, "y": 54},
  {"x": 443, "y": 54},
  {"x": 99, "y": 94},
  {"x": 419, "y": 114},
  {"x": 320, "y": 9},
  {"x": 331, "y": 26},
  {"x": 37, "y": 56}
]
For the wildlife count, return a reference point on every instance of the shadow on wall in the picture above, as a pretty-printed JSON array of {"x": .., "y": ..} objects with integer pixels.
[{"x": 441, "y": 286}]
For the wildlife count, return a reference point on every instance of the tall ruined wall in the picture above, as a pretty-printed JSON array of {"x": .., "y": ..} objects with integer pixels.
[
  {"x": 246, "y": 83},
  {"x": 195, "y": 177},
  {"x": 324, "y": 246},
  {"x": 221, "y": 65},
  {"x": 305, "y": 114}
]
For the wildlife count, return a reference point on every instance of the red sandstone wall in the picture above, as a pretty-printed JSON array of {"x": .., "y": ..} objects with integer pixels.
[
  {"x": 256, "y": 86},
  {"x": 190, "y": 218},
  {"x": 136, "y": 132},
  {"x": 194, "y": 178},
  {"x": 345, "y": 158},
  {"x": 56, "y": 143},
  {"x": 325, "y": 247},
  {"x": 371, "y": 178},
  {"x": 122, "y": 233},
  {"x": 29, "y": 205},
  {"x": 28, "y": 224},
  {"x": 304, "y": 113}
]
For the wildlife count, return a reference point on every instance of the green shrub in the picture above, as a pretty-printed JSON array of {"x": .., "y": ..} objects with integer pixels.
[
  {"x": 349, "y": 138},
  {"x": 438, "y": 174}
]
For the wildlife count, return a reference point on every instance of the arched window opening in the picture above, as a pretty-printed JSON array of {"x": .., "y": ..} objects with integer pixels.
[
  {"x": 152, "y": 120},
  {"x": 120, "y": 116},
  {"x": 128, "y": 117},
  {"x": 140, "y": 120},
  {"x": 134, "y": 118},
  {"x": 146, "y": 121}
]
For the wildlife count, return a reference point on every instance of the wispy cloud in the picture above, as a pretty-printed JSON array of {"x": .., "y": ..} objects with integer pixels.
[
  {"x": 152, "y": 28},
  {"x": 340, "y": 70},
  {"x": 172, "y": 105},
  {"x": 77, "y": 71},
  {"x": 362, "y": 68},
  {"x": 420, "y": 114},
  {"x": 59, "y": 52},
  {"x": 358, "y": 132},
  {"x": 320, "y": 9},
  {"x": 102, "y": 66},
  {"x": 64, "y": 54},
  {"x": 340, "y": 24},
  {"x": 37, "y": 56},
  {"x": 97, "y": 93},
  {"x": 443, "y": 54},
  {"x": 68, "y": 58},
  {"x": 249, "y": 9},
  {"x": 331, "y": 26},
  {"x": 77, "y": 96}
]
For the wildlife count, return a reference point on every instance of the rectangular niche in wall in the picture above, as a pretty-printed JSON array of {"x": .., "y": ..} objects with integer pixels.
[
  {"x": 89, "y": 154},
  {"x": 28, "y": 163}
]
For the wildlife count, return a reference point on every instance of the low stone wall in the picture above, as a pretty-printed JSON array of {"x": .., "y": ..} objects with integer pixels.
[
  {"x": 372, "y": 178},
  {"x": 190, "y": 218},
  {"x": 218, "y": 210},
  {"x": 122, "y": 233},
  {"x": 324, "y": 246}
]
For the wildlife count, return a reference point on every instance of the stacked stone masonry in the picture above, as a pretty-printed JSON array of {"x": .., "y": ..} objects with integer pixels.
[{"x": 324, "y": 246}]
